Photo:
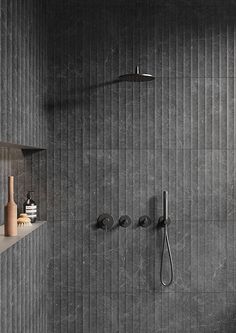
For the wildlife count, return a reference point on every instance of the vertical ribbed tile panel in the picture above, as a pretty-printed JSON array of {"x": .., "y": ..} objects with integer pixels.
[
  {"x": 23, "y": 120},
  {"x": 23, "y": 66},
  {"x": 114, "y": 147},
  {"x": 23, "y": 272}
]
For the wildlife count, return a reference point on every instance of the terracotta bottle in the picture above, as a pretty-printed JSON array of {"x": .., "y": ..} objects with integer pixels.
[{"x": 11, "y": 210}]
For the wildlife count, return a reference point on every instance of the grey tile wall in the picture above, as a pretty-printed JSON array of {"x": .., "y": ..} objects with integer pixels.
[
  {"x": 23, "y": 117},
  {"x": 23, "y": 65},
  {"x": 23, "y": 121},
  {"x": 23, "y": 272},
  {"x": 23, "y": 68},
  {"x": 114, "y": 147}
]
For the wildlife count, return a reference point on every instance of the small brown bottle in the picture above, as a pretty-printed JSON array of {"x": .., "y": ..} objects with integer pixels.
[{"x": 11, "y": 210}]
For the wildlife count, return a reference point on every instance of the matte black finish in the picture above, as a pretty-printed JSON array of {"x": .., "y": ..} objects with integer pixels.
[
  {"x": 125, "y": 221},
  {"x": 165, "y": 205},
  {"x": 170, "y": 259},
  {"x": 105, "y": 221},
  {"x": 144, "y": 221},
  {"x": 136, "y": 77},
  {"x": 163, "y": 222}
]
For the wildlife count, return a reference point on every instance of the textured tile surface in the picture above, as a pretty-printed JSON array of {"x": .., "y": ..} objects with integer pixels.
[
  {"x": 23, "y": 117},
  {"x": 114, "y": 147},
  {"x": 23, "y": 272},
  {"x": 23, "y": 66},
  {"x": 23, "y": 72}
]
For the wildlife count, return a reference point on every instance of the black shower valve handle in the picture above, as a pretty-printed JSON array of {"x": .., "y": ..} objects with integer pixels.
[
  {"x": 105, "y": 222},
  {"x": 124, "y": 221},
  {"x": 145, "y": 221}
]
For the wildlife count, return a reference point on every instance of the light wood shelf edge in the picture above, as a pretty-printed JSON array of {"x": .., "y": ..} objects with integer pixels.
[{"x": 7, "y": 242}]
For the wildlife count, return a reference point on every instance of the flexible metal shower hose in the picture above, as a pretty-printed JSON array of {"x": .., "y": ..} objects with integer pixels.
[{"x": 166, "y": 240}]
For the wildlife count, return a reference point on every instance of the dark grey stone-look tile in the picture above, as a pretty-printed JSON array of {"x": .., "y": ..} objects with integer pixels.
[
  {"x": 171, "y": 312},
  {"x": 114, "y": 147}
]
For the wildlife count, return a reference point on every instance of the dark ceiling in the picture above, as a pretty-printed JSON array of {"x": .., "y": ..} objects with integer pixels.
[
  {"x": 61, "y": 11},
  {"x": 175, "y": 3}
]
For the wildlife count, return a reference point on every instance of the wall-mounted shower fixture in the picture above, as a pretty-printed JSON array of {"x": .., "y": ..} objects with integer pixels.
[
  {"x": 136, "y": 77},
  {"x": 163, "y": 222},
  {"x": 144, "y": 221},
  {"x": 124, "y": 221},
  {"x": 105, "y": 222}
]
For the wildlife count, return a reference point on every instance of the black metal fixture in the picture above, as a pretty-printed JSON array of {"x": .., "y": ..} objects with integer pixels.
[
  {"x": 144, "y": 221},
  {"x": 105, "y": 222},
  {"x": 163, "y": 222},
  {"x": 136, "y": 77},
  {"x": 124, "y": 221}
]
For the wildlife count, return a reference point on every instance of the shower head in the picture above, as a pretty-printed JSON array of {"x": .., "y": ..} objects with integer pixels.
[{"x": 136, "y": 77}]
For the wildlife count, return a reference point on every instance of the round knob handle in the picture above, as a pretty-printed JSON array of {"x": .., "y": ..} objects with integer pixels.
[
  {"x": 105, "y": 221},
  {"x": 145, "y": 221},
  {"x": 124, "y": 221}
]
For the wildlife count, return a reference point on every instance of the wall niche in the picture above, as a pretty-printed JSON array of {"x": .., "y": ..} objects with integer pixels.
[{"x": 28, "y": 166}]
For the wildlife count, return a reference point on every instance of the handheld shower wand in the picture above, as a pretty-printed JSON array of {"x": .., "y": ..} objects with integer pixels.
[{"x": 163, "y": 222}]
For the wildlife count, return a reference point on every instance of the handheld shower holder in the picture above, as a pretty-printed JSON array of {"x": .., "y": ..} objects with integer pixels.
[{"x": 162, "y": 222}]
